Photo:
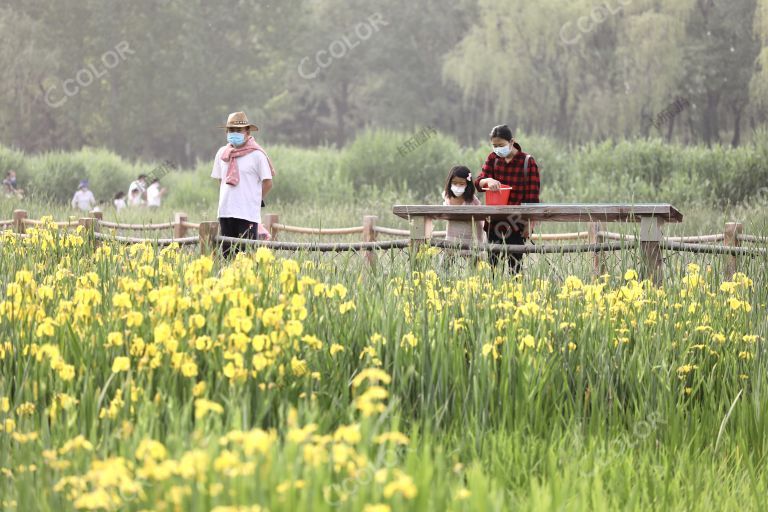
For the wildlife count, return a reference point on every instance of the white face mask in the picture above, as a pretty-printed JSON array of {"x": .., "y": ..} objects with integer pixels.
[
  {"x": 502, "y": 152},
  {"x": 458, "y": 190}
]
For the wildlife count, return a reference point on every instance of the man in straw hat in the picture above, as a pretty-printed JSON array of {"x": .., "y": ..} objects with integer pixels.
[{"x": 245, "y": 175}]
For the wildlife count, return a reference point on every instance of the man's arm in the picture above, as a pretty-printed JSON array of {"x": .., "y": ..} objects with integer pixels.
[
  {"x": 264, "y": 172},
  {"x": 216, "y": 170}
]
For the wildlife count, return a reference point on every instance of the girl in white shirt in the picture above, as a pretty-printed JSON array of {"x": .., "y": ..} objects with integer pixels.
[
  {"x": 459, "y": 190},
  {"x": 119, "y": 201},
  {"x": 135, "y": 198}
]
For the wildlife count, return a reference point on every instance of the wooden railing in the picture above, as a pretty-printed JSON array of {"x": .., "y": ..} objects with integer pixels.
[{"x": 728, "y": 243}]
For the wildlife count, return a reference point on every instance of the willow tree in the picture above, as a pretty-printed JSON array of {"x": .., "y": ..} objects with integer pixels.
[
  {"x": 573, "y": 69},
  {"x": 513, "y": 66}
]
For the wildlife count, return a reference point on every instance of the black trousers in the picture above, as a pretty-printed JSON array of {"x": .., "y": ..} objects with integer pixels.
[
  {"x": 508, "y": 237},
  {"x": 236, "y": 228}
]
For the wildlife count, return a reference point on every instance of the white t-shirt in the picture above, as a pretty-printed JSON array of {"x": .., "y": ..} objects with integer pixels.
[
  {"x": 119, "y": 204},
  {"x": 136, "y": 185},
  {"x": 135, "y": 200},
  {"x": 153, "y": 195},
  {"x": 244, "y": 200},
  {"x": 83, "y": 200}
]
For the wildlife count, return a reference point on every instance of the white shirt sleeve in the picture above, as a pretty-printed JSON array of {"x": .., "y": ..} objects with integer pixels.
[
  {"x": 216, "y": 172},
  {"x": 91, "y": 198},
  {"x": 264, "y": 172},
  {"x": 75, "y": 198}
]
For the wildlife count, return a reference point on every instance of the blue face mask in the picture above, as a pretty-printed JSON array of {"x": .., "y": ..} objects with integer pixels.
[
  {"x": 502, "y": 152},
  {"x": 236, "y": 139}
]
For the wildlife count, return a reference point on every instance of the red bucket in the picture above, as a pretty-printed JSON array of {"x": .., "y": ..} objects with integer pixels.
[{"x": 498, "y": 197}]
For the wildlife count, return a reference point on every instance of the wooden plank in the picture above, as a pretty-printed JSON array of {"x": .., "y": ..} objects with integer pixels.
[
  {"x": 545, "y": 212},
  {"x": 19, "y": 216},
  {"x": 732, "y": 232},
  {"x": 421, "y": 231},
  {"x": 369, "y": 236},
  {"x": 598, "y": 259},
  {"x": 207, "y": 233},
  {"x": 650, "y": 246},
  {"x": 179, "y": 225}
]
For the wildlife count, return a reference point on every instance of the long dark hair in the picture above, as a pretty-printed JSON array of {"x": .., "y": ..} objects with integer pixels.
[
  {"x": 464, "y": 173},
  {"x": 502, "y": 132}
]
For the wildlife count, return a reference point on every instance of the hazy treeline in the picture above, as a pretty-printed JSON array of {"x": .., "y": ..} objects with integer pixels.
[{"x": 152, "y": 78}]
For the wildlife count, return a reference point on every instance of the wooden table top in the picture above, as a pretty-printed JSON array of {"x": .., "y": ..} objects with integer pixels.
[{"x": 545, "y": 212}]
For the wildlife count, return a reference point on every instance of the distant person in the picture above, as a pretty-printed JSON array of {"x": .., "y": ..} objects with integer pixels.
[
  {"x": 460, "y": 191},
  {"x": 83, "y": 199},
  {"x": 139, "y": 184},
  {"x": 134, "y": 198},
  {"x": 245, "y": 173},
  {"x": 9, "y": 185},
  {"x": 119, "y": 201},
  {"x": 509, "y": 166},
  {"x": 155, "y": 194}
]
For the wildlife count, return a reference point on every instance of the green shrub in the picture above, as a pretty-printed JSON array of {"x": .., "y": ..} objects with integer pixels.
[
  {"x": 56, "y": 175},
  {"x": 377, "y": 160},
  {"x": 191, "y": 189},
  {"x": 376, "y": 163},
  {"x": 308, "y": 174}
]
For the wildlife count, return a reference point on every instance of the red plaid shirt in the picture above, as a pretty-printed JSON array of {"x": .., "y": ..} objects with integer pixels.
[{"x": 511, "y": 174}]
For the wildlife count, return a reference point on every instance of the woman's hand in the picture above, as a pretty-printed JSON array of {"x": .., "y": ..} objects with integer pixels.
[{"x": 490, "y": 184}]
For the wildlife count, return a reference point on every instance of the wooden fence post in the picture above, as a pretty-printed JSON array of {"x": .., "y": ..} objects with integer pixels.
[
  {"x": 732, "y": 232},
  {"x": 208, "y": 231},
  {"x": 598, "y": 258},
  {"x": 270, "y": 224},
  {"x": 421, "y": 231},
  {"x": 650, "y": 245},
  {"x": 19, "y": 216},
  {"x": 91, "y": 226},
  {"x": 179, "y": 229},
  {"x": 369, "y": 235}
]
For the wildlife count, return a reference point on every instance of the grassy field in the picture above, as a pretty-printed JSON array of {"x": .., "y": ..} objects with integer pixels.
[{"x": 139, "y": 379}]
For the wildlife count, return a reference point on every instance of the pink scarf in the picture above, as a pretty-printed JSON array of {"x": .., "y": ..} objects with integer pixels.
[{"x": 231, "y": 154}]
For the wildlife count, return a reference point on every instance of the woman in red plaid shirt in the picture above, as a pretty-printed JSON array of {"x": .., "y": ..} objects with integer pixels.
[{"x": 509, "y": 166}]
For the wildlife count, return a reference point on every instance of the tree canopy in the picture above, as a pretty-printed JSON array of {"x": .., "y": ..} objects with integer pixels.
[{"x": 153, "y": 78}]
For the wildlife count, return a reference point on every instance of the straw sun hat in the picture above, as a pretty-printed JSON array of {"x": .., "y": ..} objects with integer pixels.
[{"x": 239, "y": 120}]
